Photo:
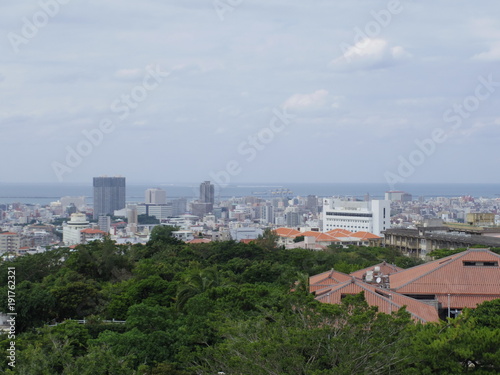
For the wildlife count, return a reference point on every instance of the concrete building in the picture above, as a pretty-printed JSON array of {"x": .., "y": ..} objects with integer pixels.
[
  {"x": 245, "y": 233},
  {"x": 104, "y": 223},
  {"x": 423, "y": 240},
  {"x": 87, "y": 235},
  {"x": 159, "y": 211},
  {"x": 355, "y": 216},
  {"x": 132, "y": 214},
  {"x": 179, "y": 206},
  {"x": 183, "y": 235},
  {"x": 207, "y": 192},
  {"x": 398, "y": 196},
  {"x": 481, "y": 219},
  {"x": 201, "y": 209},
  {"x": 9, "y": 242},
  {"x": 109, "y": 195},
  {"x": 155, "y": 196},
  {"x": 72, "y": 229},
  {"x": 265, "y": 214}
]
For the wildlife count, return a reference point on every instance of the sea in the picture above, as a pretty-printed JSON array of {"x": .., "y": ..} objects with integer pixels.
[{"x": 45, "y": 193}]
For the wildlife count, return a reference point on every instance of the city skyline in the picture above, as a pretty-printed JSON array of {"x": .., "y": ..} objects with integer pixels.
[{"x": 252, "y": 92}]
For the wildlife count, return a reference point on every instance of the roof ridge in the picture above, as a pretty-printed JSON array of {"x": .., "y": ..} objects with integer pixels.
[
  {"x": 333, "y": 288},
  {"x": 394, "y": 303}
]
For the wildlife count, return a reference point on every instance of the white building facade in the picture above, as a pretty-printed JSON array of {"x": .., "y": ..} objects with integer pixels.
[
  {"x": 72, "y": 229},
  {"x": 372, "y": 216}
]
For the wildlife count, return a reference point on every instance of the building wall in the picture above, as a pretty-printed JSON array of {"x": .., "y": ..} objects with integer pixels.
[
  {"x": 9, "y": 242},
  {"x": 155, "y": 196},
  {"x": 354, "y": 216},
  {"x": 109, "y": 195},
  {"x": 71, "y": 231},
  {"x": 207, "y": 192}
]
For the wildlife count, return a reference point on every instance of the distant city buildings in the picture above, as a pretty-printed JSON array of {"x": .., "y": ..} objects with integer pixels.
[{"x": 109, "y": 195}]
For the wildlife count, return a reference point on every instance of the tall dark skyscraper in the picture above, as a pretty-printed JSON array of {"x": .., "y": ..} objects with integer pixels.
[
  {"x": 109, "y": 195},
  {"x": 207, "y": 192}
]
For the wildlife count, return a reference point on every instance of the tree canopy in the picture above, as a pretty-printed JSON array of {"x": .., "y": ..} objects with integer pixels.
[{"x": 223, "y": 306}]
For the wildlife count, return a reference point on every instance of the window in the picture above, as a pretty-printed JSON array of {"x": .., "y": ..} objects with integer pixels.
[{"x": 480, "y": 264}]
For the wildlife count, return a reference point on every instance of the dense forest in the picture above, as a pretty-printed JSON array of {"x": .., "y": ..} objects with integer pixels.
[{"x": 173, "y": 308}]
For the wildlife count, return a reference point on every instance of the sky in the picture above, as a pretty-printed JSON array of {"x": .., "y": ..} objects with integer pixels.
[{"x": 244, "y": 91}]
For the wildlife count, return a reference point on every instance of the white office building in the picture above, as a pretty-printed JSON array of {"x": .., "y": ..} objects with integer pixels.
[
  {"x": 372, "y": 216},
  {"x": 72, "y": 230}
]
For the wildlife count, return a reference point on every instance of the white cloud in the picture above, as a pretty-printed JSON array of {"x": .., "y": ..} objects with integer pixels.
[
  {"x": 370, "y": 54},
  {"x": 493, "y": 54},
  {"x": 314, "y": 100},
  {"x": 129, "y": 74}
]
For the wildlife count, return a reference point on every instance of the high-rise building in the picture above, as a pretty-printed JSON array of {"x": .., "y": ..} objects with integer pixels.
[
  {"x": 207, "y": 192},
  {"x": 109, "y": 195},
  {"x": 179, "y": 206},
  {"x": 156, "y": 196}
]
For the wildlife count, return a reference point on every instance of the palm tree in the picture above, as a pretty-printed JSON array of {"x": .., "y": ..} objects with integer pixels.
[{"x": 195, "y": 282}]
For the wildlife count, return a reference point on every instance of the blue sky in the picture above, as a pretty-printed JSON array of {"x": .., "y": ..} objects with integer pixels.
[{"x": 187, "y": 90}]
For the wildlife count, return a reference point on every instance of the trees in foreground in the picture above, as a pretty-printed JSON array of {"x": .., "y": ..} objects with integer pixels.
[{"x": 227, "y": 306}]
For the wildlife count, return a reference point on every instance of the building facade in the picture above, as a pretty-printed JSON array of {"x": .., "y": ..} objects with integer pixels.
[
  {"x": 72, "y": 229},
  {"x": 207, "y": 192},
  {"x": 109, "y": 195},
  {"x": 9, "y": 242},
  {"x": 155, "y": 196},
  {"x": 355, "y": 216}
]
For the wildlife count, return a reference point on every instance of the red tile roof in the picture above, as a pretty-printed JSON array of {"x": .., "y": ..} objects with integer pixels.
[
  {"x": 200, "y": 240},
  {"x": 365, "y": 236},
  {"x": 448, "y": 280},
  {"x": 449, "y": 275},
  {"x": 327, "y": 279},
  {"x": 92, "y": 231},
  {"x": 320, "y": 237},
  {"x": 386, "y": 300},
  {"x": 339, "y": 232},
  {"x": 287, "y": 232}
]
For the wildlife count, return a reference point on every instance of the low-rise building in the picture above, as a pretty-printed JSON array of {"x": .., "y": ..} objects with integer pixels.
[{"x": 448, "y": 285}]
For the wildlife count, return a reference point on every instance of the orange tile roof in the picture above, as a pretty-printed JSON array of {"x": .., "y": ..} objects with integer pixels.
[
  {"x": 320, "y": 237},
  {"x": 338, "y": 232},
  {"x": 92, "y": 231},
  {"x": 385, "y": 269},
  {"x": 287, "y": 232},
  {"x": 386, "y": 300},
  {"x": 200, "y": 240},
  {"x": 449, "y": 275},
  {"x": 326, "y": 279},
  {"x": 365, "y": 235}
]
